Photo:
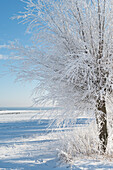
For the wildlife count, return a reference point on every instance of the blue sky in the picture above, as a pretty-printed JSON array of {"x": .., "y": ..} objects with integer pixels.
[{"x": 12, "y": 94}]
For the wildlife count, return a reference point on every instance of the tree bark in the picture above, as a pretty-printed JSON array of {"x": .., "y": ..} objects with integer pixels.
[{"x": 101, "y": 120}]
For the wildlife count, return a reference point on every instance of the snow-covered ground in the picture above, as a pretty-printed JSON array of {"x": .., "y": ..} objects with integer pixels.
[{"x": 27, "y": 143}]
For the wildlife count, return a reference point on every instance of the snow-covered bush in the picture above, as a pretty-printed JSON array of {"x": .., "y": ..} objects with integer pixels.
[{"x": 79, "y": 143}]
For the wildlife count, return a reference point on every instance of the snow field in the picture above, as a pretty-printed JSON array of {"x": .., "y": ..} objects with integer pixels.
[{"x": 26, "y": 142}]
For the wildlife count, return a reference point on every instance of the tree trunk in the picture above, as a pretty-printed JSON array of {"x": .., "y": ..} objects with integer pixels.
[{"x": 101, "y": 119}]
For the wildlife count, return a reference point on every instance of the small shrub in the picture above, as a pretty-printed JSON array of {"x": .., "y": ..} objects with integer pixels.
[{"x": 81, "y": 142}]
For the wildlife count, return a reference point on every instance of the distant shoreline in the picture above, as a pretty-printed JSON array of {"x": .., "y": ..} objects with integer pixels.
[{"x": 27, "y": 108}]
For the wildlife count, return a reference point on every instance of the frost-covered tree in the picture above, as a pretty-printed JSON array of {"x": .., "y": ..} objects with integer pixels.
[{"x": 72, "y": 55}]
